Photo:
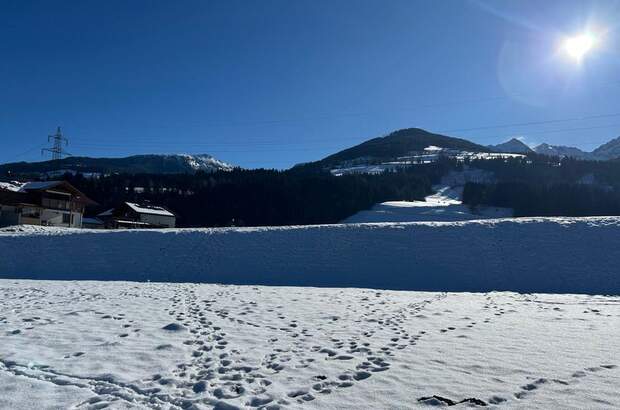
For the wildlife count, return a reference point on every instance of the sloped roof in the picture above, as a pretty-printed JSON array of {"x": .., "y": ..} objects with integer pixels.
[
  {"x": 39, "y": 185},
  {"x": 109, "y": 212},
  {"x": 92, "y": 221},
  {"x": 43, "y": 185},
  {"x": 149, "y": 209}
]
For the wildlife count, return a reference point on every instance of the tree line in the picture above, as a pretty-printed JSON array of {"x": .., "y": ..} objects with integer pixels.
[
  {"x": 534, "y": 185},
  {"x": 542, "y": 186}
]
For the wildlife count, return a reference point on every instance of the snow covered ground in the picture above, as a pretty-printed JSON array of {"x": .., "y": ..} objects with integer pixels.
[
  {"x": 92, "y": 345},
  {"x": 444, "y": 205},
  {"x": 550, "y": 255}
]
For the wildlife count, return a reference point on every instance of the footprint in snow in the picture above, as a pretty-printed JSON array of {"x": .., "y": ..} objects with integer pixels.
[{"x": 173, "y": 327}]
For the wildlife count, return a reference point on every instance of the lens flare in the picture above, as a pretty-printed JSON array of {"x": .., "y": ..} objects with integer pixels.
[{"x": 578, "y": 46}]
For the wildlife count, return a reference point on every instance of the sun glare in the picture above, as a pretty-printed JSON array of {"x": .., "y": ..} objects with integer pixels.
[{"x": 578, "y": 46}]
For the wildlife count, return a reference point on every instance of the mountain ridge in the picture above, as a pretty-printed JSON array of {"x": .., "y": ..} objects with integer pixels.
[
  {"x": 399, "y": 143},
  {"x": 134, "y": 164},
  {"x": 513, "y": 145},
  {"x": 609, "y": 150},
  {"x": 562, "y": 151},
  {"x": 395, "y": 144}
]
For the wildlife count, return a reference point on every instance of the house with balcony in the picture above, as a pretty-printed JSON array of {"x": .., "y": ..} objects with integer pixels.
[{"x": 46, "y": 203}]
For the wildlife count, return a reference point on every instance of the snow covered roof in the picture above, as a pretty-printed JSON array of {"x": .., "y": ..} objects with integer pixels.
[
  {"x": 13, "y": 186},
  {"x": 30, "y": 186},
  {"x": 25, "y": 188},
  {"x": 149, "y": 209},
  {"x": 124, "y": 222}
]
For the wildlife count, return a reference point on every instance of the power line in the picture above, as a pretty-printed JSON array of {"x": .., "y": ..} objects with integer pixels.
[
  {"x": 521, "y": 124},
  {"x": 279, "y": 143},
  {"x": 36, "y": 148},
  {"x": 563, "y": 130},
  {"x": 154, "y": 144},
  {"x": 57, "y": 150}
]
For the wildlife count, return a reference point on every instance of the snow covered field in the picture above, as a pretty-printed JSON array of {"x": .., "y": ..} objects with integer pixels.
[
  {"x": 93, "y": 345},
  {"x": 444, "y": 205},
  {"x": 550, "y": 255}
]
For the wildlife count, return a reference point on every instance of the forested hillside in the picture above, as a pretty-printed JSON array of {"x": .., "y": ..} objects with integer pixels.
[
  {"x": 533, "y": 186},
  {"x": 261, "y": 197},
  {"x": 135, "y": 164},
  {"x": 540, "y": 186},
  {"x": 398, "y": 143}
]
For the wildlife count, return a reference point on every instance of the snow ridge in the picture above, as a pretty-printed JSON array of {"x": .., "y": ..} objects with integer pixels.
[
  {"x": 556, "y": 255},
  {"x": 203, "y": 162}
]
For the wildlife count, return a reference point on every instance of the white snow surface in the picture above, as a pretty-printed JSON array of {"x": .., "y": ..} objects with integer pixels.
[
  {"x": 443, "y": 205},
  {"x": 92, "y": 345},
  {"x": 558, "y": 255}
]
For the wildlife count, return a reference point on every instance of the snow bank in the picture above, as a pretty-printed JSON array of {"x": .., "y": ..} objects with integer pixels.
[{"x": 563, "y": 255}]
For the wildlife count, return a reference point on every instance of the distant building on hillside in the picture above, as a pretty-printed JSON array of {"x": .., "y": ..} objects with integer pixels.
[
  {"x": 49, "y": 203},
  {"x": 130, "y": 215}
]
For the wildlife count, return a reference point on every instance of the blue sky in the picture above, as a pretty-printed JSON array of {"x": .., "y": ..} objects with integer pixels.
[{"x": 273, "y": 83}]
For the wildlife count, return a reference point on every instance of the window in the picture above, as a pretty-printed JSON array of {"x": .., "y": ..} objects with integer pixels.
[
  {"x": 52, "y": 203},
  {"x": 66, "y": 218},
  {"x": 30, "y": 212}
]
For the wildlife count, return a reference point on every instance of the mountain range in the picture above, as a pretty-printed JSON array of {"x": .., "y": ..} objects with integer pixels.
[
  {"x": 608, "y": 151},
  {"x": 392, "y": 147},
  {"x": 136, "y": 164},
  {"x": 402, "y": 143}
]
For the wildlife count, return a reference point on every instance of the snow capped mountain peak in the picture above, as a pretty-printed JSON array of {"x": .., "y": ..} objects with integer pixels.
[{"x": 204, "y": 162}]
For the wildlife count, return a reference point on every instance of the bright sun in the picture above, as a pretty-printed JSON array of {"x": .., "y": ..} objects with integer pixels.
[{"x": 578, "y": 46}]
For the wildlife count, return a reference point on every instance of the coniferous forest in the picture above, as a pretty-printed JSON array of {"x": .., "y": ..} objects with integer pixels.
[
  {"x": 543, "y": 186},
  {"x": 260, "y": 197}
]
